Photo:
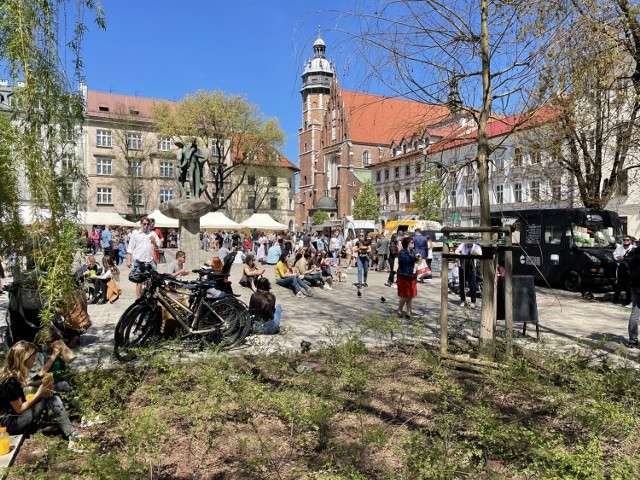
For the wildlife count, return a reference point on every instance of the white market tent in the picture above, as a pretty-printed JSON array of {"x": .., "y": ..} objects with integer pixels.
[
  {"x": 217, "y": 221},
  {"x": 29, "y": 216},
  {"x": 262, "y": 221},
  {"x": 162, "y": 220},
  {"x": 104, "y": 218}
]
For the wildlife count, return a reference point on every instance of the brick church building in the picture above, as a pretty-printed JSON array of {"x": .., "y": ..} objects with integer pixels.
[{"x": 343, "y": 134}]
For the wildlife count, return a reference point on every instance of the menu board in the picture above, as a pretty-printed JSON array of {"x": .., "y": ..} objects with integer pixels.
[
  {"x": 534, "y": 234},
  {"x": 436, "y": 262}
]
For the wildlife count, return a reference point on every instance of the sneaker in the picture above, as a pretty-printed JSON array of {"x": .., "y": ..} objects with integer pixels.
[
  {"x": 472, "y": 305},
  {"x": 308, "y": 293},
  {"x": 365, "y": 284},
  {"x": 300, "y": 294},
  {"x": 463, "y": 304},
  {"x": 387, "y": 284},
  {"x": 75, "y": 443},
  {"x": 629, "y": 306},
  {"x": 326, "y": 286},
  {"x": 633, "y": 344}
]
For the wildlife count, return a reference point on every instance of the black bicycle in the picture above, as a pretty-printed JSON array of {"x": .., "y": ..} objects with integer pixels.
[{"x": 200, "y": 311}]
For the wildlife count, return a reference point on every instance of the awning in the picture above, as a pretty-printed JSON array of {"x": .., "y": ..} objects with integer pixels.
[
  {"x": 104, "y": 218},
  {"x": 162, "y": 220},
  {"x": 262, "y": 221},
  {"x": 217, "y": 221}
]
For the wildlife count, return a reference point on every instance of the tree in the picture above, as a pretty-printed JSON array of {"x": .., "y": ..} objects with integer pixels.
[
  {"x": 470, "y": 55},
  {"x": 39, "y": 142},
  {"x": 367, "y": 203},
  {"x": 319, "y": 217},
  {"x": 132, "y": 144},
  {"x": 262, "y": 181},
  {"x": 429, "y": 196},
  {"x": 233, "y": 131},
  {"x": 591, "y": 78}
]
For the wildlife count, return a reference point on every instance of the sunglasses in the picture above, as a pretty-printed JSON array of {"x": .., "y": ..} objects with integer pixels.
[{"x": 145, "y": 223}]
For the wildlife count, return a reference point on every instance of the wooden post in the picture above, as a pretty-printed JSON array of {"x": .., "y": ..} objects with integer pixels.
[
  {"x": 508, "y": 295},
  {"x": 444, "y": 297}
]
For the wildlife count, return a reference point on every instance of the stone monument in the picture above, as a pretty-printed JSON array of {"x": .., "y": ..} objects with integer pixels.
[{"x": 189, "y": 208}]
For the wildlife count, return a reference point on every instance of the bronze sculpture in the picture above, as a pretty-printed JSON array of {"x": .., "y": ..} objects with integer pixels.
[{"x": 191, "y": 163}]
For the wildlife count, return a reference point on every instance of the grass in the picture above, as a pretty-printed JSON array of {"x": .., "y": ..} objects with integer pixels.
[{"x": 392, "y": 412}]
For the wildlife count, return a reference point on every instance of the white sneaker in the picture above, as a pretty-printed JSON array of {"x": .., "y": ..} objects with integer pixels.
[
  {"x": 300, "y": 294},
  {"x": 629, "y": 306},
  {"x": 463, "y": 304},
  {"x": 326, "y": 286},
  {"x": 472, "y": 305}
]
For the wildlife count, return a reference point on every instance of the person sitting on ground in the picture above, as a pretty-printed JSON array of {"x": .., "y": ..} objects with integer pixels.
[
  {"x": 308, "y": 270},
  {"x": 422, "y": 270},
  {"x": 176, "y": 268},
  {"x": 453, "y": 279},
  {"x": 325, "y": 263},
  {"x": 286, "y": 278},
  {"x": 107, "y": 281},
  {"x": 265, "y": 314},
  {"x": 273, "y": 254},
  {"x": 86, "y": 271},
  {"x": 50, "y": 359},
  {"x": 16, "y": 412},
  {"x": 250, "y": 272}
]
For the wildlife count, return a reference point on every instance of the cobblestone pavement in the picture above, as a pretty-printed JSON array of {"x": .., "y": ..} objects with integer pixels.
[{"x": 564, "y": 317}]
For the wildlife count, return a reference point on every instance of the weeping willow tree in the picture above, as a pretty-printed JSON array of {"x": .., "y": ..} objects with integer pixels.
[{"x": 40, "y": 51}]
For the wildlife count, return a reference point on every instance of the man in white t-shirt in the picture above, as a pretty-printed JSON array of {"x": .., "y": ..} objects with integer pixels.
[
  {"x": 140, "y": 250},
  {"x": 468, "y": 271}
]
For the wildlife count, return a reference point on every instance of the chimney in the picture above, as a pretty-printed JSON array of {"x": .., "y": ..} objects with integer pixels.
[{"x": 4, "y": 82}]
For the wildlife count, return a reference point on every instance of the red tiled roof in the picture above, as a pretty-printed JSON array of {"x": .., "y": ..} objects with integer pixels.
[
  {"x": 102, "y": 104},
  {"x": 497, "y": 126},
  {"x": 374, "y": 119},
  {"x": 284, "y": 163}
]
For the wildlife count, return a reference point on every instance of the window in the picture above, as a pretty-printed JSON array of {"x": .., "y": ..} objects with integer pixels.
[
  {"x": 535, "y": 157},
  {"x": 378, "y": 176},
  {"x": 166, "y": 194},
  {"x": 305, "y": 147},
  {"x": 418, "y": 168},
  {"x": 104, "y": 196},
  {"x": 135, "y": 169},
  {"x": 591, "y": 139},
  {"x": 535, "y": 190},
  {"x": 164, "y": 144},
  {"x": 499, "y": 161},
  {"x": 397, "y": 195},
  {"x": 386, "y": 174},
  {"x": 407, "y": 195},
  {"x": 622, "y": 187},
  {"x": 415, "y": 144},
  {"x": 136, "y": 197},
  {"x": 66, "y": 165},
  {"x": 103, "y": 138},
  {"x": 251, "y": 179},
  {"x": 469, "y": 197},
  {"x": 103, "y": 166},
  {"x": 499, "y": 194},
  {"x": 404, "y": 148},
  {"x": 273, "y": 181},
  {"x": 386, "y": 198},
  {"x": 251, "y": 203},
  {"x": 556, "y": 191},
  {"x": 134, "y": 141},
  {"x": 469, "y": 169},
  {"x": 407, "y": 170},
  {"x": 397, "y": 172},
  {"x": 394, "y": 151},
  {"x": 166, "y": 169},
  {"x": 517, "y": 192},
  {"x": 332, "y": 173},
  {"x": 274, "y": 203},
  {"x": 517, "y": 157},
  {"x": 453, "y": 200},
  {"x": 366, "y": 158}
]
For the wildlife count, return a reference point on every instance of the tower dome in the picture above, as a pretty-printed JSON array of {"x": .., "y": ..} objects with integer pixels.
[{"x": 318, "y": 71}]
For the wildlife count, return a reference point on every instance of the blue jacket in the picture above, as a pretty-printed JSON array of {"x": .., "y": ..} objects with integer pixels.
[
  {"x": 406, "y": 261},
  {"x": 420, "y": 245}
]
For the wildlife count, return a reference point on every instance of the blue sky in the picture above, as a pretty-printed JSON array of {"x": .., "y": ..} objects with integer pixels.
[{"x": 166, "y": 49}]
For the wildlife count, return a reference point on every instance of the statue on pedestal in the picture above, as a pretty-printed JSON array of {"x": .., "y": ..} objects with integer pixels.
[{"x": 191, "y": 160}]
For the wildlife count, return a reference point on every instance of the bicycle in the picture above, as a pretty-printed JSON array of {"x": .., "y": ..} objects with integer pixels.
[{"x": 210, "y": 321}]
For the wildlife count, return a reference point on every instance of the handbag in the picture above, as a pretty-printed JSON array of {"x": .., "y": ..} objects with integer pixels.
[
  {"x": 113, "y": 292},
  {"x": 75, "y": 312}
]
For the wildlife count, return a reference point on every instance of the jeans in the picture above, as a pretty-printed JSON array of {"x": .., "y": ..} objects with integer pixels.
[
  {"x": 270, "y": 327},
  {"x": 55, "y": 406},
  {"x": 392, "y": 272},
  {"x": 335, "y": 256},
  {"x": 292, "y": 282},
  {"x": 635, "y": 315},
  {"x": 473, "y": 286},
  {"x": 363, "y": 268}
]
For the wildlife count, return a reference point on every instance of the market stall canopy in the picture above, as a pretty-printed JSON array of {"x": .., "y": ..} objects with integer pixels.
[
  {"x": 162, "y": 220},
  {"x": 29, "y": 215},
  {"x": 218, "y": 221},
  {"x": 262, "y": 221},
  {"x": 104, "y": 218}
]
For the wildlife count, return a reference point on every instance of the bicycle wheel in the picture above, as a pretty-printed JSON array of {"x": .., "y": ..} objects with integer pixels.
[
  {"x": 137, "y": 325},
  {"x": 229, "y": 319}
]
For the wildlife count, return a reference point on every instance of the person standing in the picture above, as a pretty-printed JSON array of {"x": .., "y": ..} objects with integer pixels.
[
  {"x": 633, "y": 262},
  {"x": 468, "y": 271},
  {"x": 159, "y": 243},
  {"x": 363, "y": 249},
  {"x": 106, "y": 240},
  {"x": 622, "y": 272},
  {"x": 383, "y": 252},
  {"x": 335, "y": 245},
  {"x": 407, "y": 284},
  {"x": 420, "y": 243},
  {"x": 393, "y": 254},
  {"x": 429, "y": 251},
  {"x": 140, "y": 250}
]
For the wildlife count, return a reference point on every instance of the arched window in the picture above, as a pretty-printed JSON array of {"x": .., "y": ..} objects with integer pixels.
[
  {"x": 332, "y": 171},
  {"x": 366, "y": 158}
]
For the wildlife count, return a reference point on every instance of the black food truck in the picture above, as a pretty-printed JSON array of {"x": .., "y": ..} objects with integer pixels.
[{"x": 572, "y": 248}]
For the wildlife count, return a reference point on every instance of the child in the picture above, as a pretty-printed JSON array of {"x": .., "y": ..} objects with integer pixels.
[
  {"x": 16, "y": 412},
  {"x": 422, "y": 270},
  {"x": 53, "y": 357},
  {"x": 104, "y": 282}
]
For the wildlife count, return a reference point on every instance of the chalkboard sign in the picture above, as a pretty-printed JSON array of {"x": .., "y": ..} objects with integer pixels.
[
  {"x": 436, "y": 262},
  {"x": 534, "y": 234},
  {"x": 525, "y": 308}
]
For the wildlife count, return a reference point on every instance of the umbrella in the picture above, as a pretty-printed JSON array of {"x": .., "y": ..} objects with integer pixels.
[
  {"x": 104, "y": 218},
  {"x": 162, "y": 220},
  {"x": 218, "y": 221},
  {"x": 262, "y": 221}
]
